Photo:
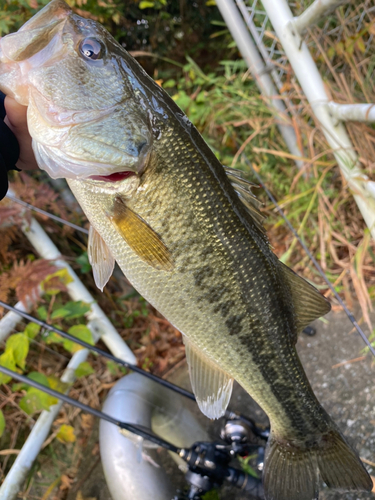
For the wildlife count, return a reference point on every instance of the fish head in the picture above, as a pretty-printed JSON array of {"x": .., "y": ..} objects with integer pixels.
[{"x": 84, "y": 113}]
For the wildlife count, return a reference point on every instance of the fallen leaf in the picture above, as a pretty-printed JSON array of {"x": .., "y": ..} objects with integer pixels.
[
  {"x": 81, "y": 497},
  {"x": 66, "y": 434},
  {"x": 66, "y": 482}
]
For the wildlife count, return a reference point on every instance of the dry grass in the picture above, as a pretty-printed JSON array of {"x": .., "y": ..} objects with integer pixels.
[{"x": 230, "y": 113}]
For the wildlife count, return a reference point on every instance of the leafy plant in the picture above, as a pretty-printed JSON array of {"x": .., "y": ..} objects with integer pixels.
[
  {"x": 2, "y": 423},
  {"x": 66, "y": 434}
]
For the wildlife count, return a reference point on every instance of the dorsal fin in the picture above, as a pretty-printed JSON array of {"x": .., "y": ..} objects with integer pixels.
[
  {"x": 250, "y": 201},
  {"x": 100, "y": 258},
  {"x": 211, "y": 385},
  {"x": 309, "y": 303}
]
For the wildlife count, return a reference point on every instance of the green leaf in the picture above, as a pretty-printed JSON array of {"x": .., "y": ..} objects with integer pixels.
[
  {"x": 7, "y": 360},
  {"x": 36, "y": 400},
  {"x": 84, "y": 369},
  {"x": 18, "y": 343},
  {"x": 56, "y": 282},
  {"x": 66, "y": 434},
  {"x": 82, "y": 333},
  {"x": 32, "y": 329},
  {"x": 38, "y": 377},
  {"x": 83, "y": 259},
  {"x": 169, "y": 83},
  {"x": 56, "y": 384},
  {"x": 71, "y": 310},
  {"x": 2, "y": 423},
  {"x": 112, "y": 367},
  {"x": 54, "y": 338},
  {"x": 17, "y": 387},
  {"x": 42, "y": 313},
  {"x": 145, "y": 5},
  {"x": 247, "y": 467}
]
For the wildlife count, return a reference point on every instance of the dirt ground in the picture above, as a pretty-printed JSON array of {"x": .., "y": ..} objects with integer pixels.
[{"x": 344, "y": 387}]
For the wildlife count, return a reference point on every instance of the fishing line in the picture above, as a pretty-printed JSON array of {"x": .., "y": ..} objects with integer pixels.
[
  {"x": 311, "y": 257},
  {"x": 43, "y": 212},
  {"x": 279, "y": 209},
  {"x": 228, "y": 413},
  {"x": 99, "y": 351},
  {"x": 135, "y": 429}
]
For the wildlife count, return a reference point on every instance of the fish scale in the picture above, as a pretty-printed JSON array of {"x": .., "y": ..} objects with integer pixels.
[
  {"x": 233, "y": 265},
  {"x": 186, "y": 232}
]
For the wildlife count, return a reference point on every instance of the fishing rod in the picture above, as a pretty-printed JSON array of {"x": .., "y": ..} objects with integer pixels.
[
  {"x": 99, "y": 351},
  {"x": 135, "y": 429},
  {"x": 307, "y": 330},
  {"x": 260, "y": 432},
  {"x": 48, "y": 214},
  {"x": 208, "y": 463},
  {"x": 311, "y": 257}
]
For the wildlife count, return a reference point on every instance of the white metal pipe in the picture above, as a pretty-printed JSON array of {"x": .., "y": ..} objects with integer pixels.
[
  {"x": 315, "y": 12},
  {"x": 76, "y": 289},
  {"x": 258, "y": 69},
  {"x": 363, "y": 112},
  {"x": 10, "y": 320},
  {"x": 312, "y": 84},
  {"x": 99, "y": 325},
  {"x": 39, "y": 433}
]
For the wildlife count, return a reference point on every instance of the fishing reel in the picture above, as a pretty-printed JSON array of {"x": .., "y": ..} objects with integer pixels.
[{"x": 209, "y": 462}]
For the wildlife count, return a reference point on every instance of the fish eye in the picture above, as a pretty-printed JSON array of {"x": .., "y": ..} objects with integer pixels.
[{"x": 92, "y": 49}]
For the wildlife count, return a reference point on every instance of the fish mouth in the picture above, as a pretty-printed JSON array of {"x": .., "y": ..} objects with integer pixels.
[{"x": 117, "y": 176}]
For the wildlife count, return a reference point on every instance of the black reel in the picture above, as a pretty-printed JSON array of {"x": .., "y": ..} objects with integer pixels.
[{"x": 209, "y": 462}]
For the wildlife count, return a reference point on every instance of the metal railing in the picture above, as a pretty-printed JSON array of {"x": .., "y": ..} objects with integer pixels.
[{"x": 285, "y": 43}]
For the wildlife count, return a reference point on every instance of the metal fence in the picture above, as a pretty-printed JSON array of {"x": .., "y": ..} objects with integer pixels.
[{"x": 296, "y": 55}]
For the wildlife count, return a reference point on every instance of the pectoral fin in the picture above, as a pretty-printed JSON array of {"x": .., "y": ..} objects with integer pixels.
[
  {"x": 211, "y": 385},
  {"x": 141, "y": 238},
  {"x": 100, "y": 258},
  {"x": 309, "y": 304}
]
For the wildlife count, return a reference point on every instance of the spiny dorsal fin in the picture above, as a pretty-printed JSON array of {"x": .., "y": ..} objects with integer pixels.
[
  {"x": 309, "y": 304},
  {"x": 100, "y": 258},
  {"x": 243, "y": 189},
  {"x": 211, "y": 385},
  {"x": 141, "y": 238}
]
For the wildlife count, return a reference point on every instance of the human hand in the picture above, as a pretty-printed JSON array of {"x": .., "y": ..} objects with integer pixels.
[{"x": 16, "y": 121}]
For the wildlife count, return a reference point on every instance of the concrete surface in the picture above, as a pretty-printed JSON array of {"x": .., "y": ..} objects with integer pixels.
[{"x": 346, "y": 392}]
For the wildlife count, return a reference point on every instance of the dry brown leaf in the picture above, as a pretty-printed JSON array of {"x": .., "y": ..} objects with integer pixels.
[
  {"x": 87, "y": 421},
  {"x": 66, "y": 482},
  {"x": 81, "y": 497},
  {"x": 31, "y": 275},
  {"x": 25, "y": 279},
  {"x": 7, "y": 237}
]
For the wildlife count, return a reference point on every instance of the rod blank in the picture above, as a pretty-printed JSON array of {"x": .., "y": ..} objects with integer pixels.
[
  {"x": 88, "y": 409},
  {"x": 93, "y": 348}
]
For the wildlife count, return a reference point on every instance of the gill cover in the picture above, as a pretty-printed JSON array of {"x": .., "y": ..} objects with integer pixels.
[{"x": 83, "y": 113}]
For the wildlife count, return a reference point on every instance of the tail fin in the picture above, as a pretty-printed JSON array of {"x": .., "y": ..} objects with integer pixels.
[
  {"x": 292, "y": 473},
  {"x": 340, "y": 466}
]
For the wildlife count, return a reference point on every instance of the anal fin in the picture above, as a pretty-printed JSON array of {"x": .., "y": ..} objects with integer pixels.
[
  {"x": 100, "y": 258},
  {"x": 211, "y": 385}
]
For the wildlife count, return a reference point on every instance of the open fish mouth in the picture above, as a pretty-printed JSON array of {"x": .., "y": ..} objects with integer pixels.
[{"x": 117, "y": 176}]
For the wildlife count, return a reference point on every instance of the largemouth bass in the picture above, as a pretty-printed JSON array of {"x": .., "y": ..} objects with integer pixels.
[{"x": 187, "y": 234}]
